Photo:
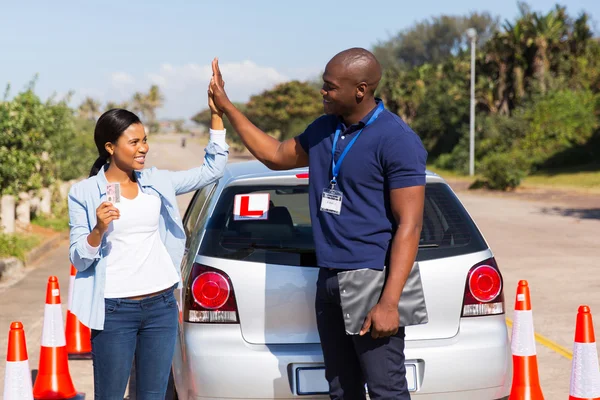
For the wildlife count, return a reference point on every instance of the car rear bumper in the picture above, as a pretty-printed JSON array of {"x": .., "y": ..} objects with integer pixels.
[{"x": 214, "y": 362}]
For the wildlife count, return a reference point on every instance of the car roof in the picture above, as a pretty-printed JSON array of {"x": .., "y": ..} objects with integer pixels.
[{"x": 256, "y": 170}]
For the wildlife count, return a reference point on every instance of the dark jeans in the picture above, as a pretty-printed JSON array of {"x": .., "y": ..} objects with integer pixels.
[
  {"x": 352, "y": 360},
  {"x": 145, "y": 328}
]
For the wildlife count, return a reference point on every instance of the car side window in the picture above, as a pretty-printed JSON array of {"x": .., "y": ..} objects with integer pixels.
[{"x": 194, "y": 211}]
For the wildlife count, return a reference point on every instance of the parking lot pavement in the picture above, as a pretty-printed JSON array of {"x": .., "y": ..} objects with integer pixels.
[{"x": 557, "y": 253}]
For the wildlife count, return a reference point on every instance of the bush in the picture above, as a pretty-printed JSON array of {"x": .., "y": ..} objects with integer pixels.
[
  {"x": 503, "y": 171},
  {"x": 40, "y": 143},
  {"x": 74, "y": 150},
  {"x": 17, "y": 245},
  {"x": 559, "y": 121},
  {"x": 24, "y": 146}
]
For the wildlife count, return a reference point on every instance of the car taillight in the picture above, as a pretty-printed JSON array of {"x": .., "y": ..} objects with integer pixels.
[
  {"x": 302, "y": 175},
  {"x": 210, "y": 297},
  {"x": 483, "y": 290}
]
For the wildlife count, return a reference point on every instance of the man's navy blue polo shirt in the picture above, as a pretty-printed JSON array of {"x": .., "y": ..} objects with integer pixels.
[{"x": 387, "y": 155}]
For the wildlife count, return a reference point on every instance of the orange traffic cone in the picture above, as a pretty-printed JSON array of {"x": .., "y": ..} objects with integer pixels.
[
  {"x": 53, "y": 380},
  {"x": 526, "y": 380},
  {"x": 79, "y": 342},
  {"x": 17, "y": 377},
  {"x": 585, "y": 376}
]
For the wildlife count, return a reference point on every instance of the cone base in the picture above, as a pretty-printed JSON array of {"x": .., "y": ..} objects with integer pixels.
[
  {"x": 526, "y": 380},
  {"x": 80, "y": 356},
  {"x": 53, "y": 381},
  {"x": 78, "y": 396}
]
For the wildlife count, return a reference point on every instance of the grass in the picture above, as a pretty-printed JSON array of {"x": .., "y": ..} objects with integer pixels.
[
  {"x": 586, "y": 177},
  {"x": 56, "y": 223},
  {"x": 583, "y": 178},
  {"x": 17, "y": 245},
  {"x": 450, "y": 174}
]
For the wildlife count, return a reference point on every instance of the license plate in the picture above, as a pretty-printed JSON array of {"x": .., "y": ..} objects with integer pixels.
[{"x": 311, "y": 380}]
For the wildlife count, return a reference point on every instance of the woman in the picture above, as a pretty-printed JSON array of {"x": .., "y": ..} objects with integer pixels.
[{"x": 127, "y": 253}]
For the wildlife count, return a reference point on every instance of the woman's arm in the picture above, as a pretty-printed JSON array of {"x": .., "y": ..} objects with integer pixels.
[
  {"x": 81, "y": 253},
  {"x": 215, "y": 158}
]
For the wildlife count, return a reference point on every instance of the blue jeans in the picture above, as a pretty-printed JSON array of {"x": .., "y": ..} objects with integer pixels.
[{"x": 145, "y": 328}]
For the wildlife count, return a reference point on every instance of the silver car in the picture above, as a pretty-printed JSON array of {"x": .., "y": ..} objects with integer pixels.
[{"x": 248, "y": 327}]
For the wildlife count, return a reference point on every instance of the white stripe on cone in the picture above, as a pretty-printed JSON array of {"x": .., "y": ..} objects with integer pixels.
[
  {"x": 71, "y": 284},
  {"x": 53, "y": 334},
  {"x": 17, "y": 381},
  {"x": 523, "y": 337},
  {"x": 585, "y": 375}
]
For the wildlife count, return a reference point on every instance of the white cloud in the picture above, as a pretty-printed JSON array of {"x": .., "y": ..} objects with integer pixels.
[
  {"x": 122, "y": 78},
  {"x": 122, "y": 83},
  {"x": 184, "y": 86}
]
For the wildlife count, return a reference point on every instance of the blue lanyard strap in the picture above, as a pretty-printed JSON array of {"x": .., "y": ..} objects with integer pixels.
[{"x": 335, "y": 167}]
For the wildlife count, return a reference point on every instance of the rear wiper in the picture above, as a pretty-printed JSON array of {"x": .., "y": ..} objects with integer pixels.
[{"x": 429, "y": 246}]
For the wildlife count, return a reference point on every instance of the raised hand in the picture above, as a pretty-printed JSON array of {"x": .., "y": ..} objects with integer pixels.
[
  {"x": 217, "y": 88},
  {"x": 211, "y": 103}
]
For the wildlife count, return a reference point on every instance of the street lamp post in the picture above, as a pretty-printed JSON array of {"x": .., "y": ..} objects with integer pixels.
[{"x": 472, "y": 34}]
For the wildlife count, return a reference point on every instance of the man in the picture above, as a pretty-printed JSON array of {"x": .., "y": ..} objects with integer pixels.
[{"x": 366, "y": 211}]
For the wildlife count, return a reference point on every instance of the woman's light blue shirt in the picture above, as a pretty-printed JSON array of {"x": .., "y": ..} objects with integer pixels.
[{"x": 86, "y": 196}]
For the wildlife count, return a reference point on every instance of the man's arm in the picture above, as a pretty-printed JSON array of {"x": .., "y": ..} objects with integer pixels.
[
  {"x": 407, "y": 207},
  {"x": 268, "y": 150}
]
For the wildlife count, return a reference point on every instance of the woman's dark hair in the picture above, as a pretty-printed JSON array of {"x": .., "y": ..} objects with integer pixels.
[{"x": 109, "y": 128}]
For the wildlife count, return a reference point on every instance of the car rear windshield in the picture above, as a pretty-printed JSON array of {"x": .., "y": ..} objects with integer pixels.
[{"x": 285, "y": 237}]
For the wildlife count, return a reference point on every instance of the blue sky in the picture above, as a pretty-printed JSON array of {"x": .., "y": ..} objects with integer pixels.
[{"x": 109, "y": 49}]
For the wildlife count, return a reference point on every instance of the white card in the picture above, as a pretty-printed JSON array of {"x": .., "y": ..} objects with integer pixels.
[{"x": 113, "y": 192}]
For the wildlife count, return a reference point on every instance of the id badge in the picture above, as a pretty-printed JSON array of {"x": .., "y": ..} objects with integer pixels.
[{"x": 331, "y": 201}]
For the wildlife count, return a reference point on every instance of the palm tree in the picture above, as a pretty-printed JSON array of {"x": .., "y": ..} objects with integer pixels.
[
  {"x": 498, "y": 52},
  {"x": 89, "y": 108},
  {"x": 517, "y": 38},
  {"x": 138, "y": 103},
  {"x": 581, "y": 34},
  {"x": 548, "y": 30},
  {"x": 154, "y": 100}
]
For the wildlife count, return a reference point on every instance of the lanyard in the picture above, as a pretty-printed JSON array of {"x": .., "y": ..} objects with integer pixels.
[{"x": 335, "y": 167}]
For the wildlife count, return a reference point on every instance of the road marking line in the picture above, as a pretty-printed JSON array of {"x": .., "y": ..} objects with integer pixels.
[{"x": 548, "y": 343}]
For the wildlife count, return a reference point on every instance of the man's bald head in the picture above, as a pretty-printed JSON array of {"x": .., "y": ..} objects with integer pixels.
[{"x": 359, "y": 65}]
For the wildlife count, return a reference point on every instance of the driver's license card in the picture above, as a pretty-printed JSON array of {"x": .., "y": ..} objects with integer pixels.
[
  {"x": 331, "y": 201},
  {"x": 113, "y": 192}
]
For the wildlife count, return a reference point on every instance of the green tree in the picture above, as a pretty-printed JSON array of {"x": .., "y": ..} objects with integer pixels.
[
  {"x": 287, "y": 109},
  {"x": 548, "y": 31},
  {"x": 435, "y": 40},
  {"x": 558, "y": 121},
  {"x": 41, "y": 142},
  {"x": 202, "y": 118},
  {"x": 23, "y": 146}
]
